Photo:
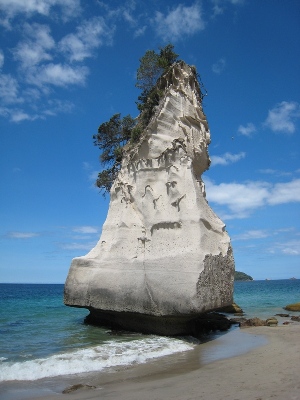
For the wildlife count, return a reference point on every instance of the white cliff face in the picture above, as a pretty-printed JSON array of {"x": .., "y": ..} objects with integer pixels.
[{"x": 163, "y": 251}]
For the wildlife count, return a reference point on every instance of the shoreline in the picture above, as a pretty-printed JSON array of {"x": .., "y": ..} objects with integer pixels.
[{"x": 252, "y": 363}]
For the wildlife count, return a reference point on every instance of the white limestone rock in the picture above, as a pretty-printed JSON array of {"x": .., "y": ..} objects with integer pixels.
[{"x": 164, "y": 257}]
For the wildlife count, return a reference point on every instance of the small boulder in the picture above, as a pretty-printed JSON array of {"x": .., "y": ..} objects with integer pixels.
[
  {"x": 272, "y": 321},
  {"x": 78, "y": 386},
  {"x": 283, "y": 315},
  {"x": 292, "y": 307},
  {"x": 238, "y": 320},
  {"x": 232, "y": 309},
  {"x": 295, "y": 318},
  {"x": 252, "y": 322}
]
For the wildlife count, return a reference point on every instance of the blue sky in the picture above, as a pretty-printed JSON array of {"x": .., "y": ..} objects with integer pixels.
[{"x": 66, "y": 66}]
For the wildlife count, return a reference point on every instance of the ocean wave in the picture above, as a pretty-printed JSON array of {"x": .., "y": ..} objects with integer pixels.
[{"x": 97, "y": 358}]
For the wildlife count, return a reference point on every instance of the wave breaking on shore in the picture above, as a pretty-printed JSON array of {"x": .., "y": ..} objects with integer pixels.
[{"x": 96, "y": 358}]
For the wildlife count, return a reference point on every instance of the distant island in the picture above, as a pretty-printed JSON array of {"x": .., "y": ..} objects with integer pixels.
[{"x": 241, "y": 276}]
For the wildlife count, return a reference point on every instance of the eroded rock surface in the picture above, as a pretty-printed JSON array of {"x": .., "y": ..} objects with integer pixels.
[{"x": 164, "y": 257}]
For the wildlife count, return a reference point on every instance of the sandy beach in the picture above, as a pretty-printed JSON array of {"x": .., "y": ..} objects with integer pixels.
[{"x": 256, "y": 363}]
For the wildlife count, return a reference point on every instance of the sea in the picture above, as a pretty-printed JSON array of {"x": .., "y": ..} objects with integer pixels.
[{"x": 40, "y": 337}]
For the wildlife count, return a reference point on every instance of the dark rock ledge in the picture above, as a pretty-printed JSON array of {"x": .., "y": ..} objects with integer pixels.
[{"x": 193, "y": 325}]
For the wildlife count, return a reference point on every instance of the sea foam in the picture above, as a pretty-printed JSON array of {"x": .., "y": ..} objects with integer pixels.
[{"x": 97, "y": 358}]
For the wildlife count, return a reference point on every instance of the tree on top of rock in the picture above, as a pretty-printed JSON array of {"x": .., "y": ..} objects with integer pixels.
[{"x": 115, "y": 133}]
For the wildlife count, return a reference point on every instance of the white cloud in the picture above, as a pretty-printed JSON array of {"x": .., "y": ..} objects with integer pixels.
[
  {"x": 268, "y": 171},
  {"x": 282, "y": 193},
  {"x": 51, "y": 108},
  {"x": 219, "y": 66},
  {"x": 20, "y": 115},
  {"x": 35, "y": 48},
  {"x": 179, "y": 22},
  {"x": 9, "y": 90},
  {"x": 276, "y": 172},
  {"x": 289, "y": 247},
  {"x": 58, "y": 75},
  {"x": 140, "y": 31},
  {"x": 11, "y": 8},
  {"x": 243, "y": 198},
  {"x": 1, "y": 58},
  {"x": 240, "y": 198},
  {"x": 247, "y": 130},
  {"x": 85, "y": 229},
  {"x": 252, "y": 234},
  {"x": 128, "y": 17},
  {"x": 236, "y": 1},
  {"x": 36, "y": 54},
  {"x": 21, "y": 235},
  {"x": 78, "y": 246},
  {"x": 89, "y": 35},
  {"x": 54, "y": 107},
  {"x": 226, "y": 159},
  {"x": 217, "y": 10},
  {"x": 86, "y": 166},
  {"x": 92, "y": 174},
  {"x": 283, "y": 116},
  {"x": 220, "y": 5}
]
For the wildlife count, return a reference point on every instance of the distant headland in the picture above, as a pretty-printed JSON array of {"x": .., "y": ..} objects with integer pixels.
[{"x": 241, "y": 276}]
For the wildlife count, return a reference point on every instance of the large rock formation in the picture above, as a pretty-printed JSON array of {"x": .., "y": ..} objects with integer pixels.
[{"x": 164, "y": 257}]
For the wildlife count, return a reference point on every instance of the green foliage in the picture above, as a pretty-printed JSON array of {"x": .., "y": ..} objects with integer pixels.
[
  {"x": 105, "y": 179},
  {"x": 167, "y": 57},
  {"x": 112, "y": 135},
  {"x": 148, "y": 71},
  {"x": 135, "y": 134},
  {"x": 241, "y": 276},
  {"x": 115, "y": 133},
  {"x": 110, "y": 139},
  {"x": 152, "y": 66}
]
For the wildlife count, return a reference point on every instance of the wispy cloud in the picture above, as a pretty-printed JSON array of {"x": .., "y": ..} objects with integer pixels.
[
  {"x": 140, "y": 31},
  {"x": 282, "y": 193},
  {"x": 226, "y": 158},
  {"x": 219, "y": 66},
  {"x": 292, "y": 247},
  {"x": 21, "y": 235},
  {"x": 241, "y": 199},
  {"x": 58, "y": 75},
  {"x": 9, "y": 90},
  {"x": 282, "y": 118},
  {"x": 90, "y": 35},
  {"x": 85, "y": 229},
  {"x": 288, "y": 247},
  {"x": 270, "y": 171},
  {"x": 35, "y": 48},
  {"x": 180, "y": 22},
  {"x": 44, "y": 64},
  {"x": 236, "y": 1},
  {"x": 220, "y": 5},
  {"x": 92, "y": 174},
  {"x": 64, "y": 9},
  {"x": 266, "y": 241},
  {"x": 247, "y": 130},
  {"x": 1, "y": 59},
  {"x": 77, "y": 246},
  {"x": 252, "y": 234}
]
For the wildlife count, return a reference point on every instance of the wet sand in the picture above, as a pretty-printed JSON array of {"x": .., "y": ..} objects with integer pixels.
[{"x": 250, "y": 364}]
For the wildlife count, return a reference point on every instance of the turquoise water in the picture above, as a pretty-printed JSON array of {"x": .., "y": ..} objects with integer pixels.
[
  {"x": 264, "y": 299},
  {"x": 40, "y": 337}
]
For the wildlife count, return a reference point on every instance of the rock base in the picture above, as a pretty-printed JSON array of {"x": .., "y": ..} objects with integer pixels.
[{"x": 193, "y": 325}]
